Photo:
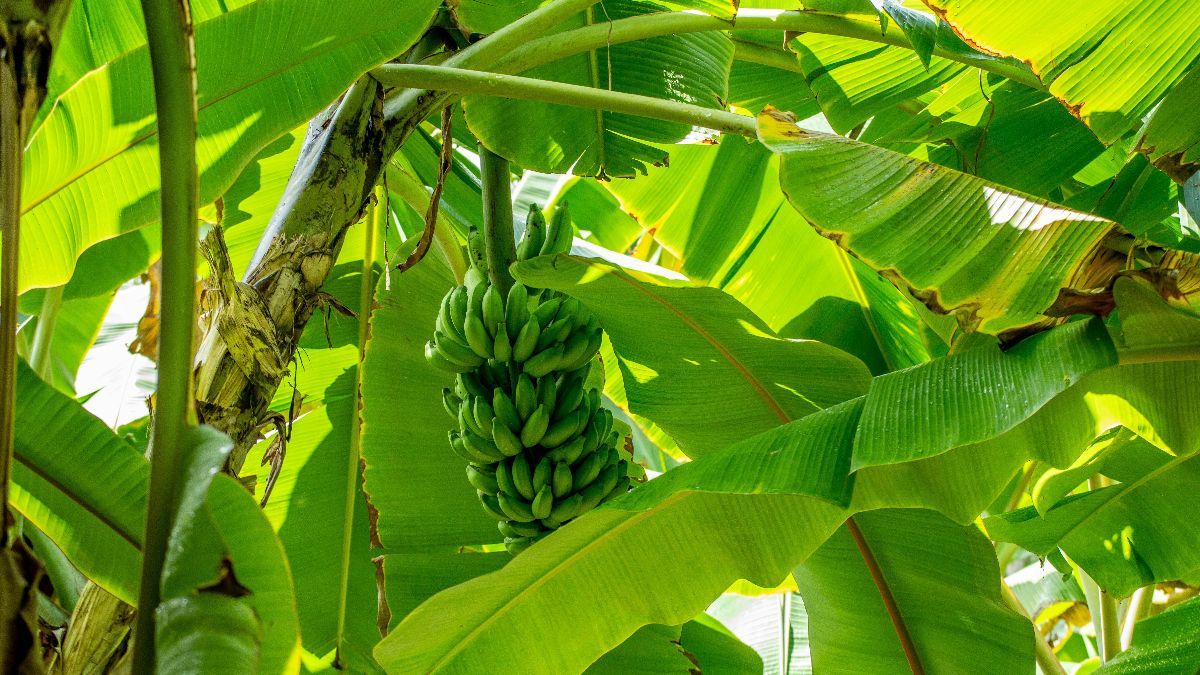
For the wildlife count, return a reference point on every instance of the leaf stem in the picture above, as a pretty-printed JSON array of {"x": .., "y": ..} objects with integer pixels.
[
  {"x": 889, "y": 601},
  {"x": 1139, "y": 605},
  {"x": 11, "y": 140},
  {"x": 412, "y": 106},
  {"x": 172, "y": 59},
  {"x": 409, "y": 189},
  {"x": 559, "y": 45},
  {"x": 1042, "y": 652},
  {"x": 497, "y": 217},
  {"x": 513, "y": 86}
]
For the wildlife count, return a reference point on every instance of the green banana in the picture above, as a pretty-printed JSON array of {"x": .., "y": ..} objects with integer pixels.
[
  {"x": 443, "y": 324},
  {"x": 525, "y": 396},
  {"x": 491, "y": 506},
  {"x": 545, "y": 312},
  {"x": 568, "y": 453},
  {"x": 512, "y": 529},
  {"x": 567, "y": 509},
  {"x": 516, "y": 309},
  {"x": 562, "y": 481},
  {"x": 435, "y": 359},
  {"x": 482, "y": 480},
  {"x": 505, "y": 411},
  {"x": 576, "y": 347},
  {"x": 535, "y": 427},
  {"x": 547, "y": 392},
  {"x": 466, "y": 418},
  {"x": 589, "y": 468},
  {"x": 560, "y": 233},
  {"x": 570, "y": 394},
  {"x": 504, "y": 481},
  {"x": 478, "y": 337},
  {"x": 534, "y": 236},
  {"x": 506, "y": 440},
  {"x": 502, "y": 348},
  {"x": 484, "y": 417},
  {"x": 515, "y": 508},
  {"x": 484, "y": 447},
  {"x": 598, "y": 490},
  {"x": 493, "y": 309},
  {"x": 526, "y": 340},
  {"x": 555, "y": 333},
  {"x": 460, "y": 448},
  {"x": 570, "y": 308},
  {"x": 543, "y": 503},
  {"x": 471, "y": 386},
  {"x": 563, "y": 430},
  {"x": 544, "y": 362},
  {"x": 454, "y": 351},
  {"x": 516, "y": 545},
  {"x": 458, "y": 310},
  {"x": 450, "y": 402},
  {"x": 475, "y": 276},
  {"x": 522, "y": 476},
  {"x": 543, "y": 473}
]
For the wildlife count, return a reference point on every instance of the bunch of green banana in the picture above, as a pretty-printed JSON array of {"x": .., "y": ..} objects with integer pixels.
[{"x": 540, "y": 449}]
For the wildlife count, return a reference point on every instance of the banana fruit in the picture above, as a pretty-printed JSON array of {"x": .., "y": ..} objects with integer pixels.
[{"x": 540, "y": 450}]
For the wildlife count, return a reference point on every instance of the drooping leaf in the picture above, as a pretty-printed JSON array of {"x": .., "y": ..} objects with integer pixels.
[
  {"x": 941, "y": 232},
  {"x": 654, "y": 646},
  {"x": 776, "y": 626},
  {"x": 723, "y": 365},
  {"x": 716, "y": 649},
  {"x": 80, "y": 484},
  {"x": 1108, "y": 61},
  {"x": 1125, "y": 536},
  {"x": 262, "y": 70},
  {"x": 943, "y": 579}
]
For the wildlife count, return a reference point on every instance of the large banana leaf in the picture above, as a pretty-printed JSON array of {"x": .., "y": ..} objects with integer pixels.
[
  {"x": 692, "y": 68},
  {"x": 1165, "y": 644},
  {"x": 1108, "y": 61},
  {"x": 997, "y": 258},
  {"x": 689, "y": 353},
  {"x": 80, "y": 484},
  {"x": 943, "y": 578},
  {"x": 262, "y": 70}
]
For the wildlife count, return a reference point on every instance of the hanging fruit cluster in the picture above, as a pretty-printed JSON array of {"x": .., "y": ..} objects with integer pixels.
[{"x": 539, "y": 447}]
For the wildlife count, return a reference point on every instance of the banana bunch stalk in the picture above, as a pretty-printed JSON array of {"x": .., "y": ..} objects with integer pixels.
[{"x": 540, "y": 450}]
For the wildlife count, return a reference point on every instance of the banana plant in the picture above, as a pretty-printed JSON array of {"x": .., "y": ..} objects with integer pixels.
[{"x": 550, "y": 336}]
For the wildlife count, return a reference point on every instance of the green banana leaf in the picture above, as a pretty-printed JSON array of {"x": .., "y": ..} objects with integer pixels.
[
  {"x": 754, "y": 86},
  {"x": 943, "y": 578},
  {"x": 853, "y": 80},
  {"x": 80, "y": 484},
  {"x": 1171, "y": 139},
  {"x": 692, "y": 68},
  {"x": 975, "y": 395},
  {"x": 1108, "y": 61},
  {"x": 689, "y": 353},
  {"x": 262, "y": 70},
  {"x": 654, "y": 644},
  {"x": 1165, "y": 644},
  {"x": 996, "y": 258},
  {"x": 1125, "y": 536}
]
